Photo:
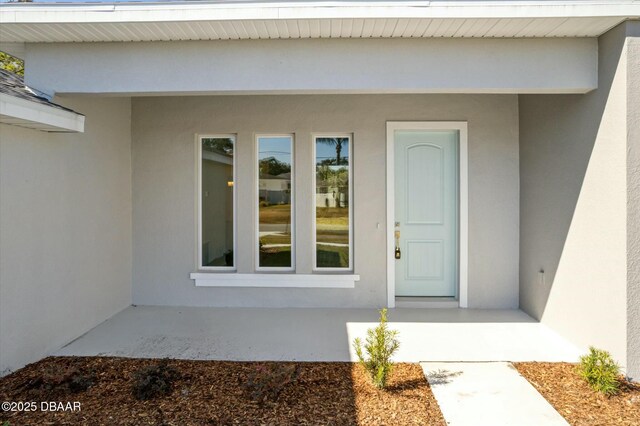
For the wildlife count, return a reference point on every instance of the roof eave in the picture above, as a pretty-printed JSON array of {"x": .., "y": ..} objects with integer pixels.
[
  {"x": 37, "y": 23},
  {"x": 47, "y": 13},
  {"x": 25, "y": 113}
]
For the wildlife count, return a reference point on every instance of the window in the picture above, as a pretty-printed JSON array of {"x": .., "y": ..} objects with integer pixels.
[
  {"x": 275, "y": 203},
  {"x": 333, "y": 213},
  {"x": 217, "y": 201}
]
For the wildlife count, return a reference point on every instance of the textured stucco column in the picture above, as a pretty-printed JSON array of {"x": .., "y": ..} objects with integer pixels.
[
  {"x": 633, "y": 200},
  {"x": 573, "y": 206}
]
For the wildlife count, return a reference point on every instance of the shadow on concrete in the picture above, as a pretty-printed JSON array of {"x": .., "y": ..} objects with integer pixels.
[{"x": 441, "y": 377}]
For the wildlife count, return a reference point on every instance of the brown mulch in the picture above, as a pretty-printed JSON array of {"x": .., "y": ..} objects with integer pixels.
[
  {"x": 572, "y": 397},
  {"x": 214, "y": 393}
]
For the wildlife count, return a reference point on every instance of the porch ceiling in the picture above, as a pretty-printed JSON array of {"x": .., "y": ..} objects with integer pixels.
[{"x": 235, "y": 20}]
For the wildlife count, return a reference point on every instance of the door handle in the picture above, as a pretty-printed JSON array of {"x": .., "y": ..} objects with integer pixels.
[{"x": 398, "y": 253}]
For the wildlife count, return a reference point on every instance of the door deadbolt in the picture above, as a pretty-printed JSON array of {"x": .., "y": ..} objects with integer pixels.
[{"x": 398, "y": 253}]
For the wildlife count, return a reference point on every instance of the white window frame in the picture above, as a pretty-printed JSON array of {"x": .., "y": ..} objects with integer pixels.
[
  {"x": 315, "y": 267},
  {"x": 199, "y": 265},
  {"x": 256, "y": 163}
]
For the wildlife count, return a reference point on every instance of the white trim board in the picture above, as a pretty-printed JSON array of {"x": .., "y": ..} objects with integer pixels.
[
  {"x": 275, "y": 280},
  {"x": 463, "y": 234},
  {"x": 25, "y": 113}
]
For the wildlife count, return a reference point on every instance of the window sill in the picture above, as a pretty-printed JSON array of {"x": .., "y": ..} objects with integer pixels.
[{"x": 203, "y": 279}]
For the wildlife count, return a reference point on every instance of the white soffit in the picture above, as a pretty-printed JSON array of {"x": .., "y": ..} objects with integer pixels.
[
  {"x": 235, "y": 20},
  {"x": 33, "y": 115}
]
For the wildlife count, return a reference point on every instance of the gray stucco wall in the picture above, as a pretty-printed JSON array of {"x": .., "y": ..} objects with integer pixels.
[
  {"x": 573, "y": 163},
  {"x": 164, "y": 192},
  {"x": 65, "y": 230}
]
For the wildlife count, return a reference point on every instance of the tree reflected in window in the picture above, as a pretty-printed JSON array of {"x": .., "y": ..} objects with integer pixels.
[
  {"x": 275, "y": 201},
  {"x": 333, "y": 228}
]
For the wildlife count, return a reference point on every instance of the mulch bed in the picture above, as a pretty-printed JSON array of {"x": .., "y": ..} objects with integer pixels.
[
  {"x": 560, "y": 384},
  {"x": 214, "y": 393}
]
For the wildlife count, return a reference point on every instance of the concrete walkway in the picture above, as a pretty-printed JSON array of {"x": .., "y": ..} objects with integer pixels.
[
  {"x": 488, "y": 394},
  {"x": 247, "y": 334}
]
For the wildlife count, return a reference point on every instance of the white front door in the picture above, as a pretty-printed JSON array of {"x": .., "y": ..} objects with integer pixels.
[{"x": 426, "y": 212}]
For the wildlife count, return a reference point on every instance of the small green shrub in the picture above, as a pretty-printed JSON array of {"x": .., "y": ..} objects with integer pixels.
[
  {"x": 268, "y": 380},
  {"x": 80, "y": 382},
  {"x": 600, "y": 371},
  {"x": 381, "y": 344},
  {"x": 60, "y": 381},
  {"x": 154, "y": 381}
]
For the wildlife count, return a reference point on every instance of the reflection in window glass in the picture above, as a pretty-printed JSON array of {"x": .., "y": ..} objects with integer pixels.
[
  {"x": 217, "y": 201},
  {"x": 332, "y": 202},
  {"x": 274, "y": 201}
]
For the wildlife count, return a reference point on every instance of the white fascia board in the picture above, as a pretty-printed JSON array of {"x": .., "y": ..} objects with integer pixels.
[
  {"x": 34, "y": 112},
  {"x": 208, "y": 155},
  {"x": 214, "y": 279},
  {"x": 184, "y": 12}
]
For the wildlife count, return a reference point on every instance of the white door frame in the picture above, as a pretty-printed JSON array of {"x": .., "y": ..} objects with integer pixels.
[{"x": 463, "y": 214}]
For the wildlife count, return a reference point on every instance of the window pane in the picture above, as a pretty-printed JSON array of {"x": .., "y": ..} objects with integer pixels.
[
  {"x": 332, "y": 202},
  {"x": 217, "y": 201},
  {"x": 274, "y": 201}
]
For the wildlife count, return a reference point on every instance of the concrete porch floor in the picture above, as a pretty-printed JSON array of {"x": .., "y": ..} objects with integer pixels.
[{"x": 248, "y": 334}]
